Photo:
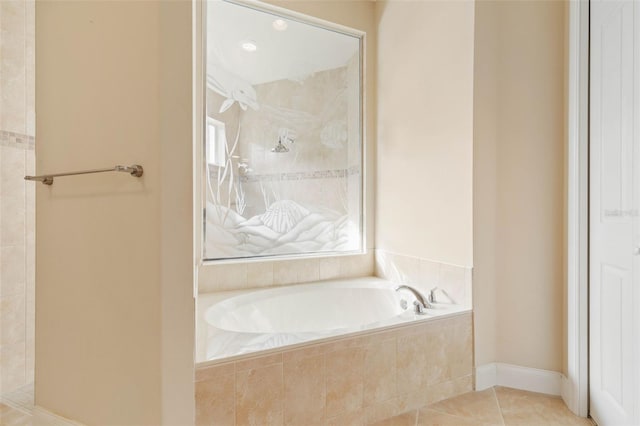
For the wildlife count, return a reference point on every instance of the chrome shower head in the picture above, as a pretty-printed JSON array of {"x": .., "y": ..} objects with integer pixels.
[{"x": 280, "y": 147}]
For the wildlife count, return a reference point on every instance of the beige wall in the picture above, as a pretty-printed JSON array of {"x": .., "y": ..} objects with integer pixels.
[
  {"x": 114, "y": 319},
  {"x": 425, "y": 106},
  {"x": 17, "y": 216},
  {"x": 518, "y": 182}
]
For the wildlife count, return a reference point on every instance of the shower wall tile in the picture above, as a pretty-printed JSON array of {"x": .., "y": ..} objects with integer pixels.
[
  {"x": 30, "y": 68},
  {"x": 17, "y": 200},
  {"x": 425, "y": 274},
  {"x": 13, "y": 372},
  {"x": 13, "y": 65},
  {"x": 12, "y": 328},
  {"x": 12, "y": 271},
  {"x": 268, "y": 273},
  {"x": 351, "y": 380}
]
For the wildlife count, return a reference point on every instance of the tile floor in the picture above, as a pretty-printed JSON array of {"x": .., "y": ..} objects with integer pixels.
[
  {"x": 496, "y": 406},
  {"x": 11, "y": 417}
]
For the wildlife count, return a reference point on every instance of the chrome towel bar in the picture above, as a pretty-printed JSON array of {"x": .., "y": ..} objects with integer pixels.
[{"x": 134, "y": 170}]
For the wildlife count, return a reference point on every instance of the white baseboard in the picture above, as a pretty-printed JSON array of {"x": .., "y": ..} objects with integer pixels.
[
  {"x": 523, "y": 378},
  {"x": 42, "y": 417}
]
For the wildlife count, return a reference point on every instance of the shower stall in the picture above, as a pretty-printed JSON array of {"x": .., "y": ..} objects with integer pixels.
[{"x": 17, "y": 203}]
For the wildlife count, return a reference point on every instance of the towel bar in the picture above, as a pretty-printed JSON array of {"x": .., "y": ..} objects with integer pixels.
[{"x": 134, "y": 170}]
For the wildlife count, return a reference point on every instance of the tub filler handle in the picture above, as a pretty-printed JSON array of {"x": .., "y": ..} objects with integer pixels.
[{"x": 421, "y": 303}]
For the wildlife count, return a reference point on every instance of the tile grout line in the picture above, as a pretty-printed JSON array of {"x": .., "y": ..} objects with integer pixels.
[{"x": 495, "y": 396}]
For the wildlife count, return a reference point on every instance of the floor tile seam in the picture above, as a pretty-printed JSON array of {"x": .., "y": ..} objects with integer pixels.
[
  {"x": 497, "y": 400},
  {"x": 15, "y": 407},
  {"x": 454, "y": 415}
]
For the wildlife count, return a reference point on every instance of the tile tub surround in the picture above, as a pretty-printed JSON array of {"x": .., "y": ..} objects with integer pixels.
[
  {"x": 214, "y": 277},
  {"x": 425, "y": 274},
  {"x": 352, "y": 380}
]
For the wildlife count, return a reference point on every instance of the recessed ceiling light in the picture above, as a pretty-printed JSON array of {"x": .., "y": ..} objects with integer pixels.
[
  {"x": 249, "y": 46},
  {"x": 280, "y": 25}
]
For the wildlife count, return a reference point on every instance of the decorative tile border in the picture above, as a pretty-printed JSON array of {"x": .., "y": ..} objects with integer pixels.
[
  {"x": 289, "y": 176},
  {"x": 17, "y": 140}
]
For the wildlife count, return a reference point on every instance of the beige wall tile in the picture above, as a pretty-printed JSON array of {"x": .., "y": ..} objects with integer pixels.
[
  {"x": 12, "y": 66},
  {"x": 12, "y": 169},
  {"x": 259, "y": 274},
  {"x": 437, "y": 368},
  {"x": 225, "y": 277},
  {"x": 30, "y": 86},
  {"x": 259, "y": 396},
  {"x": 425, "y": 275},
  {"x": 12, "y": 271},
  {"x": 13, "y": 328},
  {"x": 453, "y": 280},
  {"x": 12, "y": 359},
  {"x": 258, "y": 362},
  {"x": 409, "y": 268},
  {"x": 215, "y": 404},
  {"x": 329, "y": 268},
  {"x": 17, "y": 23},
  {"x": 460, "y": 348},
  {"x": 296, "y": 355},
  {"x": 211, "y": 373},
  {"x": 357, "y": 265},
  {"x": 345, "y": 343},
  {"x": 30, "y": 362},
  {"x": 412, "y": 363},
  {"x": 382, "y": 410},
  {"x": 296, "y": 271},
  {"x": 308, "y": 270},
  {"x": 430, "y": 273},
  {"x": 304, "y": 391},
  {"x": 380, "y": 372},
  {"x": 350, "y": 419},
  {"x": 13, "y": 220},
  {"x": 344, "y": 381},
  {"x": 284, "y": 273}
]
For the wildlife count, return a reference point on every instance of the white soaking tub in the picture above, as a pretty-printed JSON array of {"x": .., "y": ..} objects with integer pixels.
[{"x": 240, "y": 322}]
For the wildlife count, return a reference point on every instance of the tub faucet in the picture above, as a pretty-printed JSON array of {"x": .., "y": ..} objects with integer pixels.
[{"x": 421, "y": 303}]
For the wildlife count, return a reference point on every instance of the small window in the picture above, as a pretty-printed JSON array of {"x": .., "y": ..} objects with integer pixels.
[{"x": 216, "y": 142}]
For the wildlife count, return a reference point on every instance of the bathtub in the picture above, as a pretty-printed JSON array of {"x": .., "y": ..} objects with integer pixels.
[{"x": 241, "y": 322}]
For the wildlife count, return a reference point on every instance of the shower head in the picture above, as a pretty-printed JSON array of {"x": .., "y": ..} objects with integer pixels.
[{"x": 280, "y": 148}]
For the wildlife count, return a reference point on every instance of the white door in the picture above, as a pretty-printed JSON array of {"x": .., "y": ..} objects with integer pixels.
[{"x": 614, "y": 290}]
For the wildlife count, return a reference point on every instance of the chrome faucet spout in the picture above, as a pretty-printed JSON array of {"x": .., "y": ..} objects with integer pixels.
[{"x": 421, "y": 302}]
